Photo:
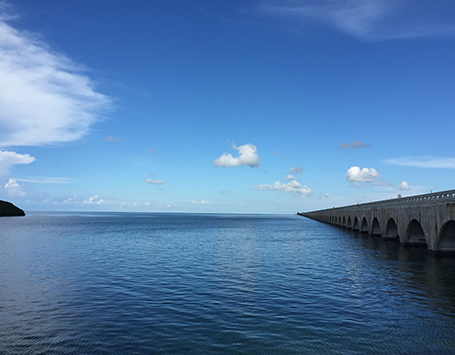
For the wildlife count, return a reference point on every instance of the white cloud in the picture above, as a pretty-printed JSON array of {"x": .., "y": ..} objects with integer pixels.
[
  {"x": 293, "y": 186},
  {"x": 248, "y": 156},
  {"x": 370, "y": 19},
  {"x": 155, "y": 182},
  {"x": 291, "y": 177},
  {"x": 152, "y": 151},
  {"x": 71, "y": 200},
  {"x": 276, "y": 153},
  {"x": 354, "y": 145},
  {"x": 424, "y": 162},
  {"x": 13, "y": 188},
  {"x": 357, "y": 175},
  {"x": 46, "y": 180},
  {"x": 7, "y": 159},
  {"x": 202, "y": 202},
  {"x": 403, "y": 186},
  {"x": 381, "y": 183},
  {"x": 296, "y": 170},
  {"x": 94, "y": 200},
  {"x": 44, "y": 97}
]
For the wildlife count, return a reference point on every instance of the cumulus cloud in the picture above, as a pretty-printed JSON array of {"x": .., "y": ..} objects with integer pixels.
[
  {"x": 293, "y": 186},
  {"x": 357, "y": 175},
  {"x": 296, "y": 170},
  {"x": 155, "y": 182},
  {"x": 44, "y": 96},
  {"x": 354, "y": 145},
  {"x": 403, "y": 186},
  {"x": 8, "y": 159},
  {"x": 71, "y": 200},
  {"x": 13, "y": 188},
  {"x": 369, "y": 19},
  {"x": 94, "y": 200},
  {"x": 424, "y": 162},
  {"x": 247, "y": 156}
]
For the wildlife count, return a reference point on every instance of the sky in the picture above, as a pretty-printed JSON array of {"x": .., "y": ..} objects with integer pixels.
[{"x": 202, "y": 106}]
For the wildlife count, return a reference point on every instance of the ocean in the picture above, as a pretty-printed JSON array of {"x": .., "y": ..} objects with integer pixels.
[{"x": 146, "y": 283}]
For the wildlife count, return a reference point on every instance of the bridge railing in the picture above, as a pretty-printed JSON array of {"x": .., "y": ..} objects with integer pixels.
[{"x": 435, "y": 197}]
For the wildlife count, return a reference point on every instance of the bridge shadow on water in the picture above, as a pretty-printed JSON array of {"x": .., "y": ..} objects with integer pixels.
[{"x": 431, "y": 274}]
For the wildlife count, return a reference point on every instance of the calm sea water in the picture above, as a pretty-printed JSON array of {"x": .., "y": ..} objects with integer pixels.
[{"x": 216, "y": 284}]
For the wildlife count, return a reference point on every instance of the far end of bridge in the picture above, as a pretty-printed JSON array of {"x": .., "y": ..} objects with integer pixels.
[{"x": 423, "y": 220}]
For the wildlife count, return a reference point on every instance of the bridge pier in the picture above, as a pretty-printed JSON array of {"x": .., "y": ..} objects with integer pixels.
[{"x": 424, "y": 220}]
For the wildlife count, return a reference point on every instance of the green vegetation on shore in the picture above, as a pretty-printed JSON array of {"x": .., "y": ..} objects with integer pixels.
[{"x": 7, "y": 209}]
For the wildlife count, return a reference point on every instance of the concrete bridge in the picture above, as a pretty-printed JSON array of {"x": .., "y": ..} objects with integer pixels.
[{"x": 423, "y": 220}]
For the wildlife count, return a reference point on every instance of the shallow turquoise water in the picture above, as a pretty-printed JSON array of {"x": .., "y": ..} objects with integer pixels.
[{"x": 104, "y": 283}]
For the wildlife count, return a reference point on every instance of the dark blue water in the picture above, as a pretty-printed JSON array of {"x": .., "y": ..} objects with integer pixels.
[{"x": 216, "y": 284}]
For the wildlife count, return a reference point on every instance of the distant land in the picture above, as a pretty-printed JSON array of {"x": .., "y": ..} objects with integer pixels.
[{"x": 7, "y": 209}]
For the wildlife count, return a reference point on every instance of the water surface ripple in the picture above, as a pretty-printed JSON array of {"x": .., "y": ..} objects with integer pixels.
[{"x": 113, "y": 283}]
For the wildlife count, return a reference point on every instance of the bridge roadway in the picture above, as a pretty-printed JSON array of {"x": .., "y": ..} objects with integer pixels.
[{"x": 423, "y": 220}]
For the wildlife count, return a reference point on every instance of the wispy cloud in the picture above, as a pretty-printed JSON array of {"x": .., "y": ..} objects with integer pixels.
[
  {"x": 46, "y": 180},
  {"x": 154, "y": 182},
  {"x": 369, "y": 19},
  {"x": 296, "y": 170},
  {"x": 354, "y": 145},
  {"x": 111, "y": 139},
  {"x": 201, "y": 202},
  {"x": 44, "y": 96},
  {"x": 8, "y": 159},
  {"x": 424, "y": 162},
  {"x": 247, "y": 156},
  {"x": 293, "y": 186},
  {"x": 291, "y": 177}
]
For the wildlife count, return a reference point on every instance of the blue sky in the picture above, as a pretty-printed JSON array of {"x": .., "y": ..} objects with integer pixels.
[{"x": 254, "y": 106}]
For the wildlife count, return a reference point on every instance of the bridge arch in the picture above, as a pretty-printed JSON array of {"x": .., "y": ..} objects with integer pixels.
[
  {"x": 355, "y": 225},
  {"x": 415, "y": 234},
  {"x": 447, "y": 237},
  {"x": 364, "y": 225},
  {"x": 391, "y": 229},
  {"x": 426, "y": 220},
  {"x": 375, "y": 227}
]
